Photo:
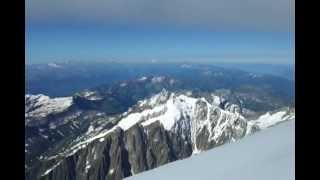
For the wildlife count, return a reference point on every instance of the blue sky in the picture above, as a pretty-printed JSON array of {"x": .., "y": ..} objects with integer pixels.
[{"x": 58, "y": 32}]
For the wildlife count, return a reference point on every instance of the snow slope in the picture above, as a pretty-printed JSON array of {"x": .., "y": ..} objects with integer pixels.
[{"x": 266, "y": 155}]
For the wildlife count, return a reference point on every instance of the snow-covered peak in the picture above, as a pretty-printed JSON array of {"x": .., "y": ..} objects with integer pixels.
[
  {"x": 158, "y": 79},
  {"x": 54, "y": 65},
  {"x": 143, "y": 78},
  {"x": 179, "y": 113},
  {"x": 39, "y": 106},
  {"x": 217, "y": 100},
  {"x": 172, "y": 111},
  {"x": 270, "y": 119},
  {"x": 91, "y": 95},
  {"x": 181, "y": 110}
]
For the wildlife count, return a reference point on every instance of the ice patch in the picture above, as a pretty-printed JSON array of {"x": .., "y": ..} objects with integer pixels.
[
  {"x": 142, "y": 78},
  {"x": 50, "y": 169}
]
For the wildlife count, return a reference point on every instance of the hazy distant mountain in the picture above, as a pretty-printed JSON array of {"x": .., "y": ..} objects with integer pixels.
[
  {"x": 65, "y": 79},
  {"x": 281, "y": 70}
]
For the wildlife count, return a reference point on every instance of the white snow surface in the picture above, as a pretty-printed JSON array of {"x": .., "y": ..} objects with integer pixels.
[{"x": 268, "y": 154}]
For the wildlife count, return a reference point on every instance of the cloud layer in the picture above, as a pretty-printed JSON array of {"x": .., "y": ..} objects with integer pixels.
[{"x": 266, "y": 15}]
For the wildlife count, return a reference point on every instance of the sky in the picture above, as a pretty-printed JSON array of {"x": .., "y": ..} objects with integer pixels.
[{"x": 258, "y": 31}]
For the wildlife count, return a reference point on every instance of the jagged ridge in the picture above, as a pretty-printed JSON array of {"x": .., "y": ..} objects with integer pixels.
[{"x": 161, "y": 129}]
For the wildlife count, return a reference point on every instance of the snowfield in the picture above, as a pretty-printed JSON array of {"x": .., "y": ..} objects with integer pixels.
[{"x": 265, "y": 155}]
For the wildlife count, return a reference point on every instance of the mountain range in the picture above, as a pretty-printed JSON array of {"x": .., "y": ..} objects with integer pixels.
[{"x": 123, "y": 128}]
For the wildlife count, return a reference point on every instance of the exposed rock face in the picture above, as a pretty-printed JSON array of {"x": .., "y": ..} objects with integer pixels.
[
  {"x": 100, "y": 160},
  {"x": 164, "y": 128},
  {"x": 122, "y": 154},
  {"x": 136, "y": 147},
  {"x": 201, "y": 110}
]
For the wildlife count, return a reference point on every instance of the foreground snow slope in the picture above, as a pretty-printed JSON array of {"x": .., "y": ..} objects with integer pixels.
[{"x": 268, "y": 154}]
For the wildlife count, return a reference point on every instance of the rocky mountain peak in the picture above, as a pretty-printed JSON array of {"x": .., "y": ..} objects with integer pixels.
[
  {"x": 165, "y": 127},
  {"x": 40, "y": 106}
]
